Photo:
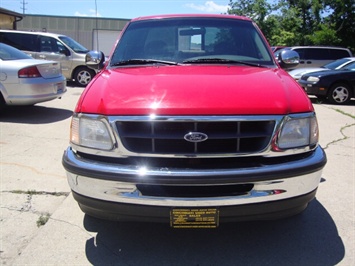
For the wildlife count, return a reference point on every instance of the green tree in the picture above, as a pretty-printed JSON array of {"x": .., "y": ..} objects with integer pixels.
[
  {"x": 342, "y": 18},
  {"x": 289, "y": 32},
  {"x": 257, "y": 10},
  {"x": 326, "y": 35},
  {"x": 308, "y": 14},
  {"x": 302, "y": 22}
]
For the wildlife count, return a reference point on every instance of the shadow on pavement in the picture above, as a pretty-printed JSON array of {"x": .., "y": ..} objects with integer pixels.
[
  {"x": 71, "y": 83},
  {"x": 34, "y": 114},
  {"x": 310, "y": 238}
]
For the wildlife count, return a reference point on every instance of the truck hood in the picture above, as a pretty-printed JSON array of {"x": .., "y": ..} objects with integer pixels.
[{"x": 193, "y": 90}]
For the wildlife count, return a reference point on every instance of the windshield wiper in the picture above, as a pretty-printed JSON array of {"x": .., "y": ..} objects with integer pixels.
[
  {"x": 219, "y": 61},
  {"x": 143, "y": 62}
]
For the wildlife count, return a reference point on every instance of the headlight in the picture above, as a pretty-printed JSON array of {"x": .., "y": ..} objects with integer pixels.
[
  {"x": 298, "y": 132},
  {"x": 90, "y": 133},
  {"x": 312, "y": 79}
]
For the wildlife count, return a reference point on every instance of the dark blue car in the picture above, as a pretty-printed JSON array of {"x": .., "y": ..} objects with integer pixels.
[{"x": 335, "y": 86}]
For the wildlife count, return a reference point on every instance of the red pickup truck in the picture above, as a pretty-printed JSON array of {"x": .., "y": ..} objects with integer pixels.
[{"x": 192, "y": 122}]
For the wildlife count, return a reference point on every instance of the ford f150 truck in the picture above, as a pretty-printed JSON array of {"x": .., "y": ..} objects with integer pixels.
[{"x": 192, "y": 122}]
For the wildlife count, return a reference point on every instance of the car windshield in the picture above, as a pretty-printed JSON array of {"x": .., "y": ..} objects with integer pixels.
[
  {"x": 350, "y": 66},
  {"x": 10, "y": 53},
  {"x": 74, "y": 45},
  {"x": 191, "y": 41},
  {"x": 335, "y": 64}
]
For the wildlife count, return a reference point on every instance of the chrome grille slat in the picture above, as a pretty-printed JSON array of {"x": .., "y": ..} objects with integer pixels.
[
  {"x": 238, "y": 133},
  {"x": 167, "y": 137},
  {"x": 195, "y": 144}
]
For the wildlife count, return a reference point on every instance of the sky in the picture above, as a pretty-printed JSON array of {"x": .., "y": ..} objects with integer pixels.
[{"x": 125, "y": 9}]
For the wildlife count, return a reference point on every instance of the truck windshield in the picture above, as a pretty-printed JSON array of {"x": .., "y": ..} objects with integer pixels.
[
  {"x": 198, "y": 40},
  {"x": 74, "y": 45}
]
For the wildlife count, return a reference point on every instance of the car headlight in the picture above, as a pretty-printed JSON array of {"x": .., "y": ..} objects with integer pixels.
[
  {"x": 298, "y": 132},
  {"x": 312, "y": 79},
  {"x": 91, "y": 133}
]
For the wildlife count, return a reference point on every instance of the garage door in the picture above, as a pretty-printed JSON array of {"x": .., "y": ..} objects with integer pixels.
[{"x": 103, "y": 40}]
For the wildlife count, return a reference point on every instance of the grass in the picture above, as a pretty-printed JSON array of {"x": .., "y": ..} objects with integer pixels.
[
  {"x": 44, "y": 217},
  {"x": 345, "y": 113}
]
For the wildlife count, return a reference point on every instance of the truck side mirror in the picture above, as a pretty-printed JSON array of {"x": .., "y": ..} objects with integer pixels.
[
  {"x": 95, "y": 60},
  {"x": 288, "y": 59}
]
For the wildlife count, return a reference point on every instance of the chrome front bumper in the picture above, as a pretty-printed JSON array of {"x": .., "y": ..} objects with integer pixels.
[{"x": 118, "y": 183}]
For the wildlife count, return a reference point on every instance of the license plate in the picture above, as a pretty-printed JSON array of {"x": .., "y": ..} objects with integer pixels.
[
  {"x": 194, "y": 218},
  {"x": 60, "y": 87}
]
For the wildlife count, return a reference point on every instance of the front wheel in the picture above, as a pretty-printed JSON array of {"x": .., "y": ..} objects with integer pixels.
[
  {"x": 83, "y": 76},
  {"x": 339, "y": 93}
]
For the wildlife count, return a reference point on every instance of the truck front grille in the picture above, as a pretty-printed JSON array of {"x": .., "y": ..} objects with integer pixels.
[
  {"x": 167, "y": 137},
  {"x": 194, "y": 191}
]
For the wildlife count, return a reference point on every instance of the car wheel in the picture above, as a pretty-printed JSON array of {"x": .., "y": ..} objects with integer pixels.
[
  {"x": 83, "y": 76},
  {"x": 339, "y": 93}
]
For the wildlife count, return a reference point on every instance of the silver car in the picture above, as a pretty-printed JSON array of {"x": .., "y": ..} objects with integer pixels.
[{"x": 27, "y": 81}]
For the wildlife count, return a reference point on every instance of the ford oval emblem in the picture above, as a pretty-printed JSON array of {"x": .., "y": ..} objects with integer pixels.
[{"x": 195, "y": 137}]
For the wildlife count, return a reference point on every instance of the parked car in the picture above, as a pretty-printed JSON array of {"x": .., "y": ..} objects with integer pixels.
[
  {"x": 192, "y": 122},
  {"x": 337, "y": 86},
  {"x": 55, "y": 47},
  {"x": 317, "y": 56},
  {"x": 337, "y": 64},
  {"x": 27, "y": 81}
]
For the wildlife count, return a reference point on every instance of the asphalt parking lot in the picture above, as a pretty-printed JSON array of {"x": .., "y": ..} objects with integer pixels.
[{"x": 41, "y": 223}]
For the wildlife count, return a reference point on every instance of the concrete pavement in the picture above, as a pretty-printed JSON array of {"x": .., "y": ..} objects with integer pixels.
[{"x": 41, "y": 224}]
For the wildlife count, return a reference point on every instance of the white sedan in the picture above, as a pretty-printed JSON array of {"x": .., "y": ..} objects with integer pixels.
[
  {"x": 337, "y": 64},
  {"x": 27, "y": 81}
]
